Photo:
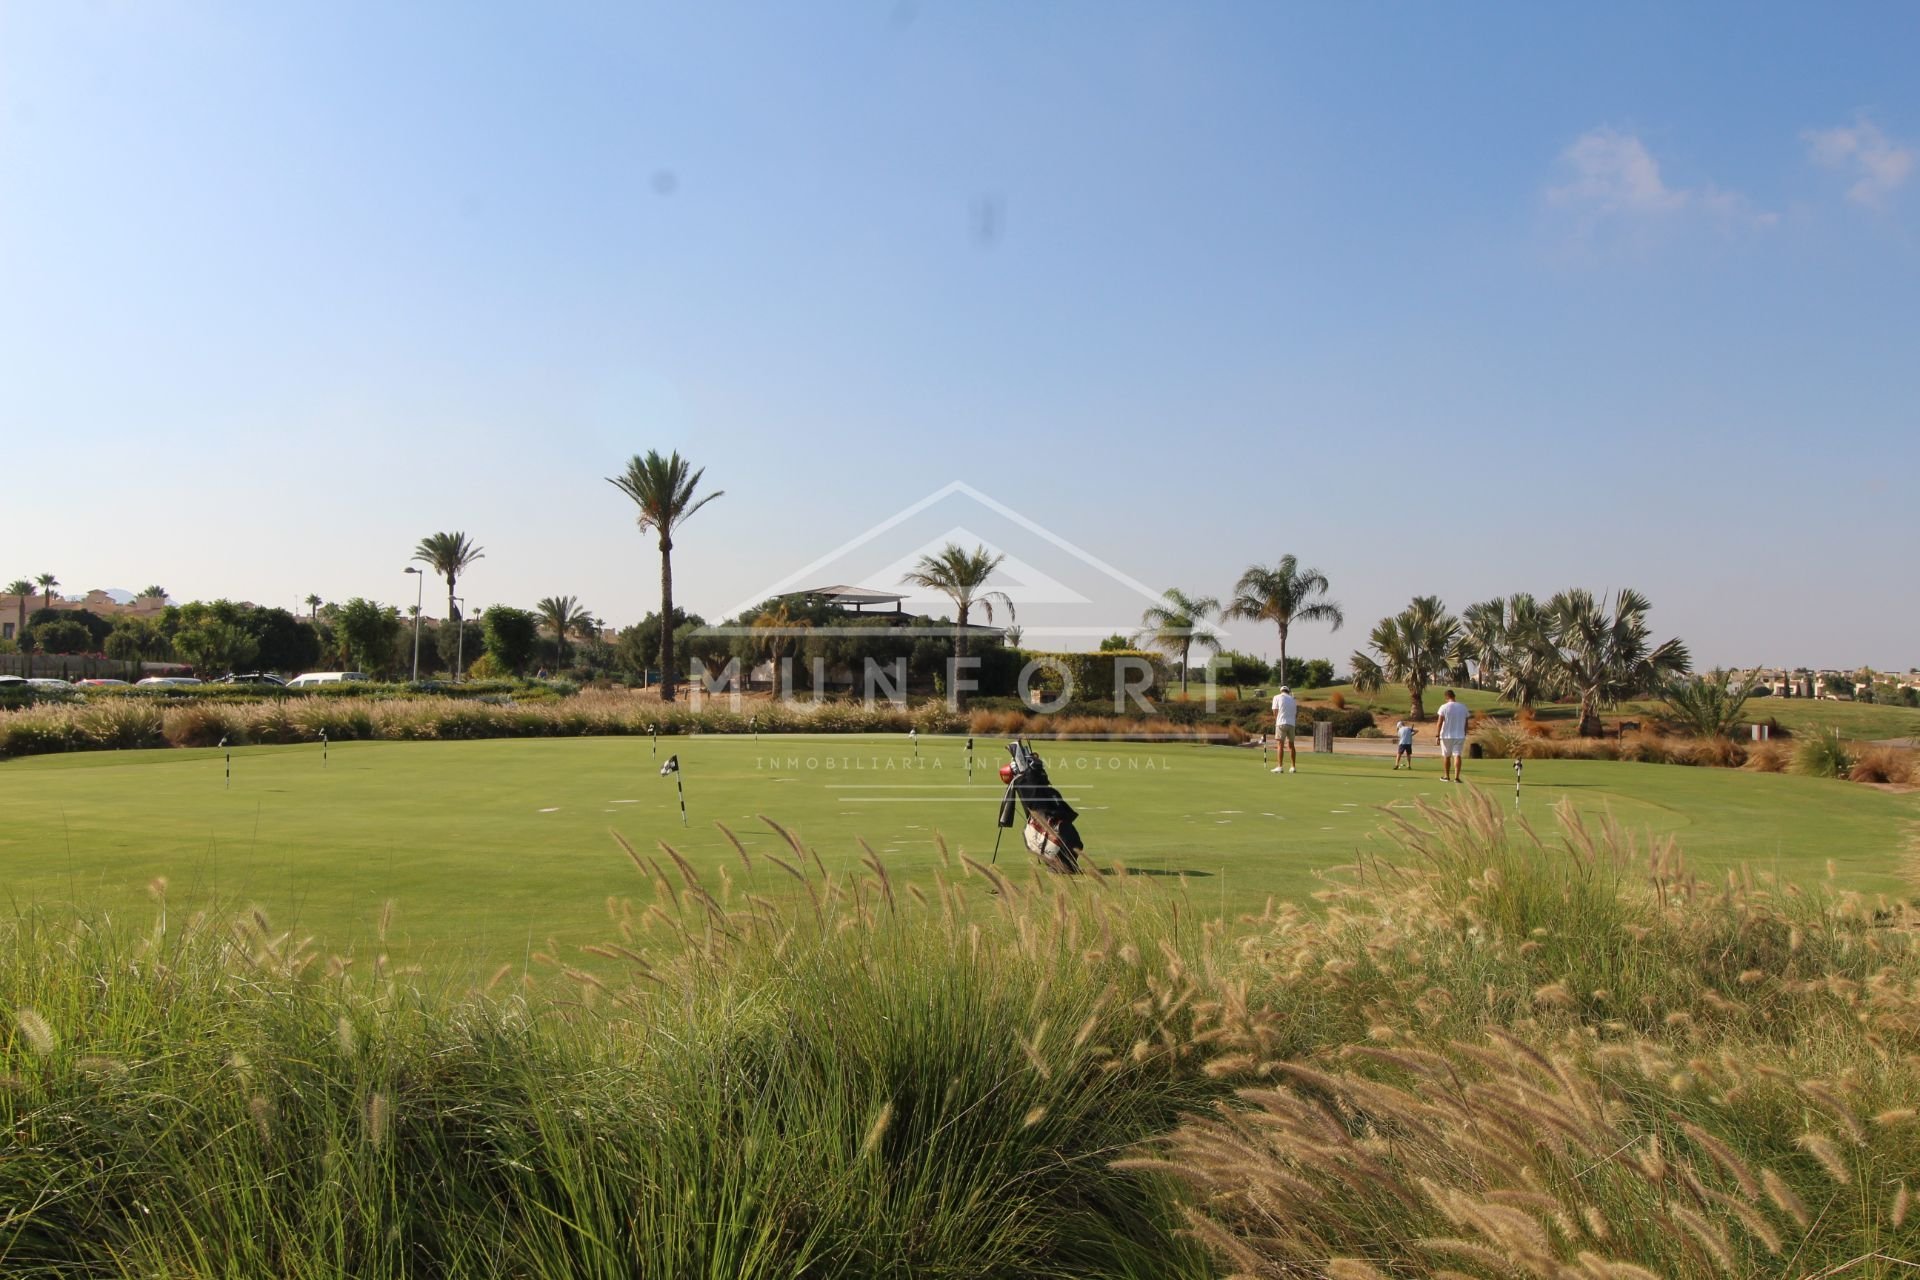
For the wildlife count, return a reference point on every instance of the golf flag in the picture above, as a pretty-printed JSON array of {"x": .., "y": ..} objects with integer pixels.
[{"x": 672, "y": 766}]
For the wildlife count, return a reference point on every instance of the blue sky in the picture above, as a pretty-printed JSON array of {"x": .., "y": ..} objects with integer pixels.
[{"x": 1460, "y": 299}]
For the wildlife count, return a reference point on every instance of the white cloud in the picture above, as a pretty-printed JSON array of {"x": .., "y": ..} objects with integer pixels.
[
  {"x": 1612, "y": 174},
  {"x": 1879, "y": 165}
]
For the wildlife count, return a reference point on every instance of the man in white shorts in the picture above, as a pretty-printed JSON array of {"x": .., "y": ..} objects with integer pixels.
[
  {"x": 1453, "y": 737},
  {"x": 1286, "y": 714}
]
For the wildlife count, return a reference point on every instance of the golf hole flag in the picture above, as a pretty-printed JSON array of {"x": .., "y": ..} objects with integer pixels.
[{"x": 672, "y": 766}]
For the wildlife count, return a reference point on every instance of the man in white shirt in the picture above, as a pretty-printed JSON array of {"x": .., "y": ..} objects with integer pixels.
[
  {"x": 1453, "y": 737},
  {"x": 1286, "y": 714}
]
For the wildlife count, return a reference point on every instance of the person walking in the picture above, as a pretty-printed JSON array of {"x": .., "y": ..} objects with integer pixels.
[
  {"x": 1403, "y": 732},
  {"x": 1286, "y": 714},
  {"x": 1453, "y": 737}
]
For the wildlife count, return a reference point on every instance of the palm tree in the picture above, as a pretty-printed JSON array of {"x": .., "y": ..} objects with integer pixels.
[
  {"x": 1710, "y": 705},
  {"x": 1178, "y": 623},
  {"x": 1483, "y": 639},
  {"x": 1284, "y": 595},
  {"x": 959, "y": 575},
  {"x": 663, "y": 489},
  {"x": 565, "y": 616},
  {"x": 155, "y": 593},
  {"x": 1607, "y": 656},
  {"x": 449, "y": 554},
  {"x": 774, "y": 637},
  {"x": 1414, "y": 647},
  {"x": 1529, "y": 665},
  {"x": 47, "y": 583},
  {"x": 313, "y": 603},
  {"x": 20, "y": 588}
]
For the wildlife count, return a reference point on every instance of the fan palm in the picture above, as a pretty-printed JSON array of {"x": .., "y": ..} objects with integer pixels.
[
  {"x": 1413, "y": 647},
  {"x": 155, "y": 593},
  {"x": 959, "y": 575},
  {"x": 565, "y": 616},
  {"x": 47, "y": 583},
  {"x": 1284, "y": 595},
  {"x": 1529, "y": 665},
  {"x": 1178, "y": 623},
  {"x": 449, "y": 554},
  {"x": 313, "y": 603},
  {"x": 1605, "y": 653},
  {"x": 21, "y": 589},
  {"x": 1710, "y": 705},
  {"x": 1483, "y": 639},
  {"x": 663, "y": 490}
]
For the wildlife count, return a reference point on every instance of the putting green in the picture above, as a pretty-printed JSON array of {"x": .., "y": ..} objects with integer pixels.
[{"x": 490, "y": 848}]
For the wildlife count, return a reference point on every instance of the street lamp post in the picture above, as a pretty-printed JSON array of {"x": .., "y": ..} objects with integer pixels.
[{"x": 419, "y": 588}]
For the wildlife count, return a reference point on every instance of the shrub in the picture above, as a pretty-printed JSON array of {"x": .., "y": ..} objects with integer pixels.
[
  {"x": 38, "y": 731},
  {"x": 121, "y": 725},
  {"x": 1770, "y": 757},
  {"x": 202, "y": 725},
  {"x": 1825, "y": 754},
  {"x": 1884, "y": 765},
  {"x": 1339, "y": 701},
  {"x": 1498, "y": 742}
]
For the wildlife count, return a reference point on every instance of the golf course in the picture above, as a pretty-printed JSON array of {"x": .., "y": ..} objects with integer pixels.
[{"x": 487, "y": 848}]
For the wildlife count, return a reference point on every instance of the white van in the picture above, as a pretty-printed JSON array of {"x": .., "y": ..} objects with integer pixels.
[{"x": 312, "y": 678}]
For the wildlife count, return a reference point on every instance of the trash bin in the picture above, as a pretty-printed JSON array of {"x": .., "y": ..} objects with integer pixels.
[
  {"x": 1323, "y": 737},
  {"x": 1473, "y": 751}
]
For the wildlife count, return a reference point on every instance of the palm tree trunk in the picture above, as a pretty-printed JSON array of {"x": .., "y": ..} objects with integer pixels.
[
  {"x": 1589, "y": 714},
  {"x": 666, "y": 620},
  {"x": 1283, "y": 653},
  {"x": 1417, "y": 699},
  {"x": 959, "y": 652},
  {"x": 1183, "y": 669}
]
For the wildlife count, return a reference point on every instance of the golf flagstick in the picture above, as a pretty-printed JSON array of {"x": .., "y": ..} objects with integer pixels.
[
  {"x": 223, "y": 743},
  {"x": 969, "y": 757},
  {"x": 653, "y": 733},
  {"x": 323, "y": 748},
  {"x": 914, "y": 734},
  {"x": 672, "y": 766},
  {"x": 1516, "y": 779}
]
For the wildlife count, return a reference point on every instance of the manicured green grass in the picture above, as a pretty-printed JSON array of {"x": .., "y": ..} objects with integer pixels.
[
  {"x": 489, "y": 848},
  {"x": 1392, "y": 700},
  {"x": 1863, "y": 720}
]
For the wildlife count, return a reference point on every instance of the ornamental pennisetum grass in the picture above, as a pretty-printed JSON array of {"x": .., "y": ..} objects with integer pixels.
[
  {"x": 1488, "y": 1050},
  {"x": 1576, "y": 1060}
]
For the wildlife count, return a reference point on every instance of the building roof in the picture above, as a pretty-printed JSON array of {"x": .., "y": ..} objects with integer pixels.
[{"x": 845, "y": 595}]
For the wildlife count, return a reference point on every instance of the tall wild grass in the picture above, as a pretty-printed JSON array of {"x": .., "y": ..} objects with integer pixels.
[{"x": 1489, "y": 1051}]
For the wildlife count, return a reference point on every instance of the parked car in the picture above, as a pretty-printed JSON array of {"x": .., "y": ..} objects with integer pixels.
[
  {"x": 50, "y": 684},
  {"x": 101, "y": 682},
  {"x": 313, "y": 678},
  {"x": 252, "y": 677},
  {"x": 156, "y": 682}
]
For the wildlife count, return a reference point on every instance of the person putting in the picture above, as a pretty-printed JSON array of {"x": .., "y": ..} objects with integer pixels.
[
  {"x": 1286, "y": 715},
  {"x": 1403, "y": 733},
  {"x": 1453, "y": 738}
]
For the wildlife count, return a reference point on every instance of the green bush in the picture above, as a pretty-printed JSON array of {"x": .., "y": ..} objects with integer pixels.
[
  {"x": 1094, "y": 674},
  {"x": 1823, "y": 754}
]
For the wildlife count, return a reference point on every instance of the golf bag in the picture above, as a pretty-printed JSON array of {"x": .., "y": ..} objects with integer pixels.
[{"x": 1049, "y": 831}]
